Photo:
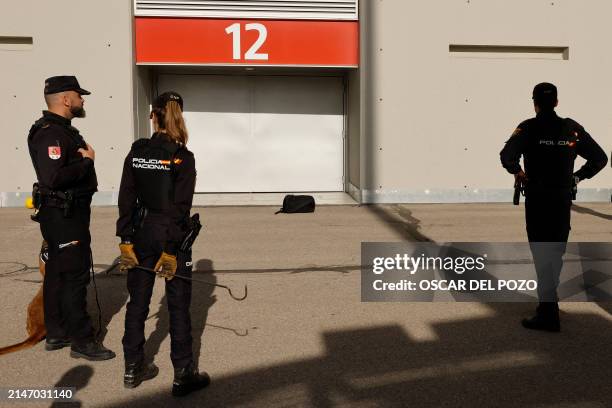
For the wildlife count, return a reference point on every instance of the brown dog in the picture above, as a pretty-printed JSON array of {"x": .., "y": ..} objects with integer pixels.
[{"x": 36, "y": 314}]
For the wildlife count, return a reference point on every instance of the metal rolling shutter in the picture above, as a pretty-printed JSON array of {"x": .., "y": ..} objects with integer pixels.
[
  {"x": 269, "y": 9},
  {"x": 263, "y": 134}
]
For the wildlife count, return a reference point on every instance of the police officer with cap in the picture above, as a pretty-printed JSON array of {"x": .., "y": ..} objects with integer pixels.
[
  {"x": 549, "y": 146},
  {"x": 155, "y": 199},
  {"x": 64, "y": 165}
]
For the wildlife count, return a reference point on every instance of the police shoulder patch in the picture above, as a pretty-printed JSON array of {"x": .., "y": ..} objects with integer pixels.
[{"x": 55, "y": 152}]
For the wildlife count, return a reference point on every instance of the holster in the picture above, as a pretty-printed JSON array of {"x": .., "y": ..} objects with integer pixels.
[
  {"x": 138, "y": 216},
  {"x": 518, "y": 190},
  {"x": 68, "y": 205},
  {"x": 36, "y": 196},
  {"x": 193, "y": 230},
  {"x": 36, "y": 202}
]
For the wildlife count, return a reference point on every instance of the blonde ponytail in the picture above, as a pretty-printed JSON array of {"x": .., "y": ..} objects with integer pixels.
[
  {"x": 171, "y": 123},
  {"x": 175, "y": 124}
]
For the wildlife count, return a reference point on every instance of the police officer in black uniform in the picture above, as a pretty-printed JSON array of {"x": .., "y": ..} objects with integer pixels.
[
  {"x": 549, "y": 145},
  {"x": 155, "y": 199},
  {"x": 64, "y": 166}
]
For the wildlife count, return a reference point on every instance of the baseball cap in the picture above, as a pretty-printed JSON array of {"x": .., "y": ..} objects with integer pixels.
[
  {"x": 63, "y": 83},
  {"x": 545, "y": 94},
  {"x": 163, "y": 99}
]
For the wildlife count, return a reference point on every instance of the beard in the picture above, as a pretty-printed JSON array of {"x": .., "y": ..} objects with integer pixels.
[{"x": 78, "y": 112}]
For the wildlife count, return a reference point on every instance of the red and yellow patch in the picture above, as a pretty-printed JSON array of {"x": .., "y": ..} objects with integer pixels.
[{"x": 55, "y": 152}]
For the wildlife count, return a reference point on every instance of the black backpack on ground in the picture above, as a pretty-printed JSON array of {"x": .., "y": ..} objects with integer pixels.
[{"x": 297, "y": 204}]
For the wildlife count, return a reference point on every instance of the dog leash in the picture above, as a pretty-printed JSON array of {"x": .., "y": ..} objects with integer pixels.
[{"x": 239, "y": 299}]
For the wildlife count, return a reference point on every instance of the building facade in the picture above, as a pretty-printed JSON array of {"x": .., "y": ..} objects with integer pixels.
[{"x": 384, "y": 101}]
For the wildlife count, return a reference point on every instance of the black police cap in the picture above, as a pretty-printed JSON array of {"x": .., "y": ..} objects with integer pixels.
[
  {"x": 63, "y": 83},
  {"x": 161, "y": 101},
  {"x": 545, "y": 92}
]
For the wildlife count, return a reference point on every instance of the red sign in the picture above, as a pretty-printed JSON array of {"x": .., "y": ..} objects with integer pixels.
[{"x": 246, "y": 42}]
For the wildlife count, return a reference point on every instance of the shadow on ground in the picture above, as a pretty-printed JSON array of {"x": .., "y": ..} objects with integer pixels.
[
  {"x": 588, "y": 211},
  {"x": 112, "y": 296},
  {"x": 484, "y": 362},
  {"x": 77, "y": 377},
  {"x": 400, "y": 219}
]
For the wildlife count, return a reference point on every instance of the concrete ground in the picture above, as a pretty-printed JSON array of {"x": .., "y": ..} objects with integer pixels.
[{"x": 302, "y": 338}]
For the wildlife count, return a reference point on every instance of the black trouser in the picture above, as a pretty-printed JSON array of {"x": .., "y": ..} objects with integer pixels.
[
  {"x": 547, "y": 214},
  {"x": 67, "y": 272},
  {"x": 148, "y": 245}
]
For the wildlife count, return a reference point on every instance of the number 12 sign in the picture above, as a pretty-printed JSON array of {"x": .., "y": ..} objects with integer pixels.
[
  {"x": 251, "y": 54},
  {"x": 198, "y": 41}
]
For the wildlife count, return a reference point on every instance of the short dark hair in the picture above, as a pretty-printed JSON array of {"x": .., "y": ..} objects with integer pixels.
[{"x": 545, "y": 96}]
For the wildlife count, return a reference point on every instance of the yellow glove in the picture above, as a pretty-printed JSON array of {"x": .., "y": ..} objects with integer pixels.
[
  {"x": 166, "y": 265},
  {"x": 128, "y": 258}
]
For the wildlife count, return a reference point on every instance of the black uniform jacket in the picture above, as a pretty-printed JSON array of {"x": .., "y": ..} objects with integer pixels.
[
  {"x": 549, "y": 145},
  {"x": 53, "y": 144},
  {"x": 184, "y": 185}
]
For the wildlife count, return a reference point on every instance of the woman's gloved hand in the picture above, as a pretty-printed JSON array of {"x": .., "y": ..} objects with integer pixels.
[
  {"x": 128, "y": 258},
  {"x": 166, "y": 265}
]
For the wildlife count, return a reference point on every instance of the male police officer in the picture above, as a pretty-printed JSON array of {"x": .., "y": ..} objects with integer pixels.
[
  {"x": 64, "y": 166},
  {"x": 549, "y": 145}
]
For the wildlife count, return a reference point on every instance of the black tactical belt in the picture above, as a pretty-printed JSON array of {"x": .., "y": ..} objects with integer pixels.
[{"x": 56, "y": 202}]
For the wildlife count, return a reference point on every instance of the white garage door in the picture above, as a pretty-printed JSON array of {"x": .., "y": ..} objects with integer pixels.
[{"x": 263, "y": 133}]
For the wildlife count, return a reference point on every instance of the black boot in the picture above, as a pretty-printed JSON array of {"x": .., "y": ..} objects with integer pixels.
[
  {"x": 187, "y": 380},
  {"x": 135, "y": 373},
  {"x": 91, "y": 351},
  {"x": 546, "y": 318},
  {"x": 56, "y": 343}
]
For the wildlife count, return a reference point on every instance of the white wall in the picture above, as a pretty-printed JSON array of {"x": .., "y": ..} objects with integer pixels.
[
  {"x": 90, "y": 39},
  {"x": 436, "y": 123}
]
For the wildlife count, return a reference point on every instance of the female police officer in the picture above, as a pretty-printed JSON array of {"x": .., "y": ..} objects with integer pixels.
[{"x": 154, "y": 202}]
